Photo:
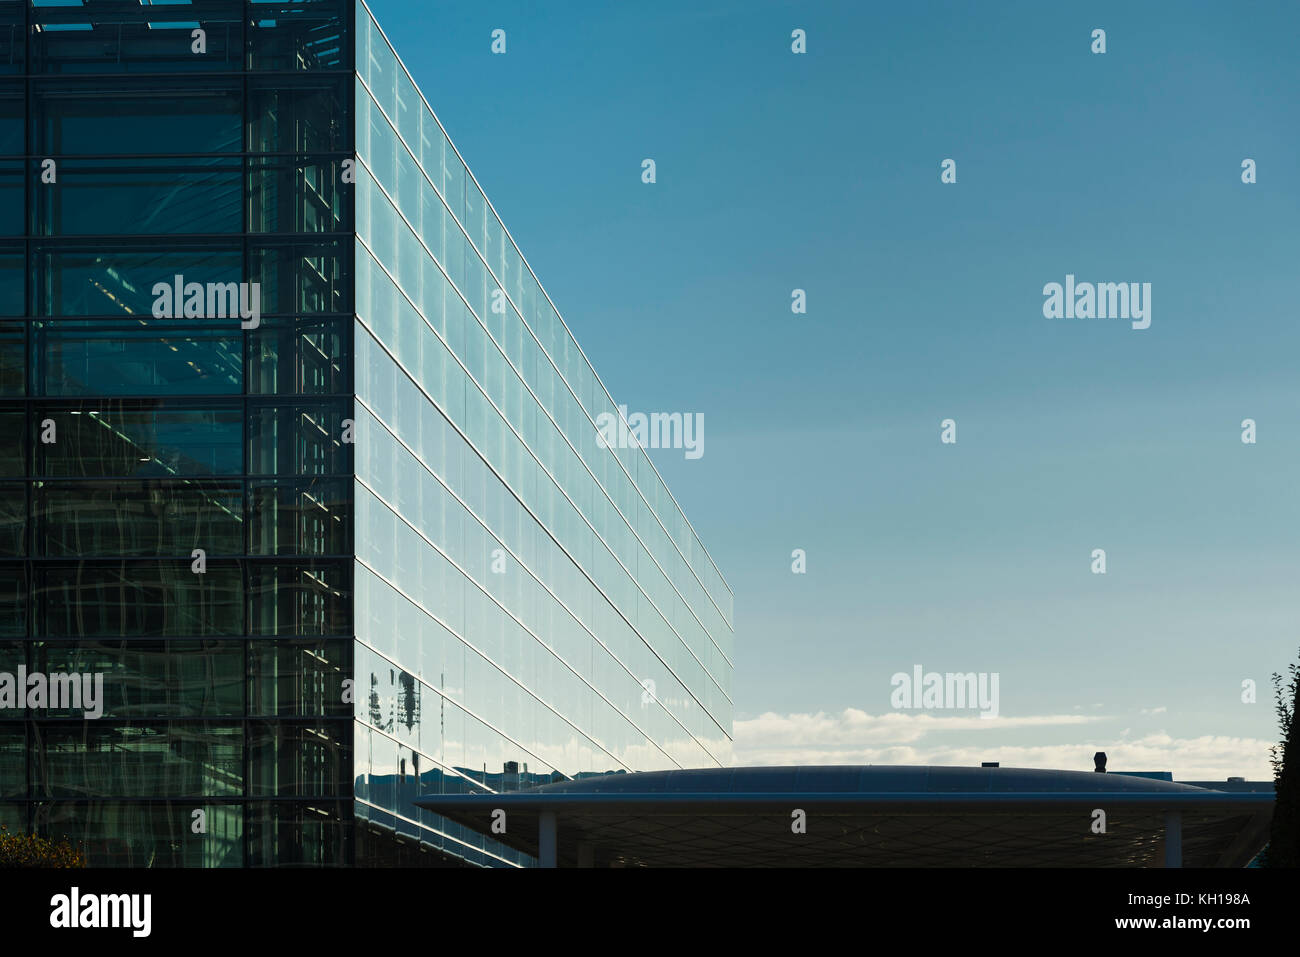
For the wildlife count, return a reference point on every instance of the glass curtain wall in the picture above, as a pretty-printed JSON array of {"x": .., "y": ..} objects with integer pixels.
[
  {"x": 138, "y": 144},
  {"x": 539, "y": 602},
  {"x": 392, "y": 472}
]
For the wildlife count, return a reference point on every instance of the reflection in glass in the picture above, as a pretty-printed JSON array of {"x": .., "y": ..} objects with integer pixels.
[
  {"x": 300, "y": 517},
  {"x": 98, "y": 197},
  {"x": 117, "y": 279},
  {"x": 140, "y": 598},
  {"x": 144, "y": 679},
  {"x": 303, "y": 438},
  {"x": 299, "y": 356},
  {"x": 137, "y": 356},
  {"x": 107, "y": 758},
  {"x": 310, "y": 598},
  {"x": 138, "y": 518},
  {"x": 153, "y": 439},
  {"x": 293, "y": 35},
  {"x": 136, "y": 115}
]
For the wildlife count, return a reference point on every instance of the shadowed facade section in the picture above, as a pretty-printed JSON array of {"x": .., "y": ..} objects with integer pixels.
[{"x": 873, "y": 817}]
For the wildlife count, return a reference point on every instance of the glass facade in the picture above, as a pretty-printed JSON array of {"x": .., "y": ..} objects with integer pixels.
[
  {"x": 126, "y": 158},
  {"x": 420, "y": 571}
]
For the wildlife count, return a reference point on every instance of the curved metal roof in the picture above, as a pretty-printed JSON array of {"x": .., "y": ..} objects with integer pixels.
[
  {"x": 875, "y": 816},
  {"x": 846, "y": 780}
]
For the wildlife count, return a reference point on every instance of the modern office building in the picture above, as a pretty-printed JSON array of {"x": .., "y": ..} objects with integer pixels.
[{"x": 298, "y": 455}]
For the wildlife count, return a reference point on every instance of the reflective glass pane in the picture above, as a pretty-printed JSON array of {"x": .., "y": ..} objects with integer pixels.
[
  {"x": 308, "y": 356},
  {"x": 300, "y": 517},
  {"x": 138, "y": 357},
  {"x": 118, "y": 278},
  {"x": 297, "y": 195},
  {"x": 123, "y": 438},
  {"x": 298, "y": 35},
  {"x": 312, "y": 598},
  {"x": 134, "y": 38},
  {"x": 299, "y": 677},
  {"x": 100, "y": 116},
  {"x": 152, "y": 759},
  {"x": 153, "y": 678},
  {"x": 298, "y": 439},
  {"x": 138, "y": 196},
  {"x": 288, "y": 115},
  {"x": 137, "y": 598},
  {"x": 138, "y": 518}
]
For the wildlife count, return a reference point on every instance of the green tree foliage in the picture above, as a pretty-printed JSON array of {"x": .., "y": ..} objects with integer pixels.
[
  {"x": 1284, "y": 841},
  {"x": 28, "y": 850}
]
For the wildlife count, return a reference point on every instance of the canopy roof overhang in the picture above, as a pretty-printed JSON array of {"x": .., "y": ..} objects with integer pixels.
[{"x": 870, "y": 817}]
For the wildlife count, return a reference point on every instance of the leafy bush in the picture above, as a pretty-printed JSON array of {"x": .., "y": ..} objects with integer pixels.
[
  {"x": 28, "y": 850},
  {"x": 1284, "y": 841}
]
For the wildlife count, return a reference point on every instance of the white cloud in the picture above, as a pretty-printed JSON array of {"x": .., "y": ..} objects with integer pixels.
[
  {"x": 855, "y": 737},
  {"x": 854, "y": 728}
]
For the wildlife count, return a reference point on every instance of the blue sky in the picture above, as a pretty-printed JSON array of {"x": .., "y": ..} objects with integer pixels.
[{"x": 821, "y": 171}]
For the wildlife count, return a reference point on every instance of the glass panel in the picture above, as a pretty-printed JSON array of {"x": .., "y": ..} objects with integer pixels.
[
  {"x": 107, "y": 196},
  {"x": 117, "y": 278},
  {"x": 12, "y": 110},
  {"x": 137, "y": 598},
  {"x": 408, "y": 109},
  {"x": 298, "y": 35},
  {"x": 380, "y": 68},
  {"x": 382, "y": 147},
  {"x": 138, "y": 518},
  {"x": 13, "y": 754},
  {"x": 149, "y": 759},
  {"x": 101, "y": 116},
  {"x": 13, "y": 600},
  {"x": 298, "y": 439},
  {"x": 312, "y": 598},
  {"x": 137, "y": 357},
  {"x": 13, "y": 280},
  {"x": 153, "y": 678},
  {"x": 13, "y": 46},
  {"x": 288, "y": 356},
  {"x": 453, "y": 185},
  {"x": 11, "y": 199},
  {"x": 285, "y": 834},
  {"x": 13, "y": 448},
  {"x": 298, "y": 115},
  {"x": 122, "y": 438},
  {"x": 303, "y": 277},
  {"x": 432, "y": 215},
  {"x": 13, "y": 365},
  {"x": 299, "y": 677},
  {"x": 297, "y": 195},
  {"x": 134, "y": 38},
  {"x": 475, "y": 206},
  {"x": 136, "y": 834},
  {"x": 300, "y": 517},
  {"x": 287, "y": 759},
  {"x": 13, "y": 519}
]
